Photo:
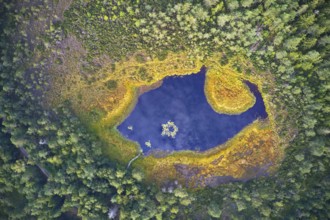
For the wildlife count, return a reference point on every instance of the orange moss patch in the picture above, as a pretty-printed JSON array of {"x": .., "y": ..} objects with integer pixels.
[
  {"x": 250, "y": 152},
  {"x": 102, "y": 106}
]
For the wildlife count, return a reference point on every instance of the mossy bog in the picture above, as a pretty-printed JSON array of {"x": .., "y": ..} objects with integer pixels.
[
  {"x": 214, "y": 122},
  {"x": 182, "y": 102}
]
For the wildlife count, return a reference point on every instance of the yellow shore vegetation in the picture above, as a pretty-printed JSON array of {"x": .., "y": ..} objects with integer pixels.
[
  {"x": 254, "y": 149},
  {"x": 103, "y": 103},
  {"x": 226, "y": 92}
]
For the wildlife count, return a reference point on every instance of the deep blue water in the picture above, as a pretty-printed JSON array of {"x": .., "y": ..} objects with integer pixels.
[{"x": 181, "y": 99}]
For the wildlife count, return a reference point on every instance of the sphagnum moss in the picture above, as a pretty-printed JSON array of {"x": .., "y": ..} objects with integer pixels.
[{"x": 225, "y": 91}]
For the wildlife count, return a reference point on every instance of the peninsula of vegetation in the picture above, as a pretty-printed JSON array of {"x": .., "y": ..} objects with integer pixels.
[{"x": 192, "y": 109}]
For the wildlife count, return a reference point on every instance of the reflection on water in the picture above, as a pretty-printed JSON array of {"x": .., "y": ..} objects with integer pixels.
[{"x": 181, "y": 100}]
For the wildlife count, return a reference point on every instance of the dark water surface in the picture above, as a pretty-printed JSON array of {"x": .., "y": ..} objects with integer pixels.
[{"x": 181, "y": 99}]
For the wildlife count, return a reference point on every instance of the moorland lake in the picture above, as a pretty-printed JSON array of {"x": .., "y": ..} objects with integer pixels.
[{"x": 181, "y": 100}]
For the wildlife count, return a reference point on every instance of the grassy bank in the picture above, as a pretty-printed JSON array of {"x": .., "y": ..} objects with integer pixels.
[{"x": 114, "y": 94}]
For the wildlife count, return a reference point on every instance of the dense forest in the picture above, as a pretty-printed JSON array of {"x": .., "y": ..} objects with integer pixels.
[{"x": 51, "y": 164}]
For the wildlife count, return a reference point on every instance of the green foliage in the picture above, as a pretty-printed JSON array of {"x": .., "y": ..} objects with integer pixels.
[
  {"x": 51, "y": 165},
  {"x": 140, "y": 58},
  {"x": 111, "y": 84},
  {"x": 138, "y": 175},
  {"x": 162, "y": 55},
  {"x": 214, "y": 210}
]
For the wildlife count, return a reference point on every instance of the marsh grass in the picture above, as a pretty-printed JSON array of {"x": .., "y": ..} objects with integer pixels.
[
  {"x": 251, "y": 149},
  {"x": 226, "y": 92},
  {"x": 259, "y": 140}
]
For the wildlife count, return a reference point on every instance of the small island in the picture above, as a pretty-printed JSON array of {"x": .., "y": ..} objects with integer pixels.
[
  {"x": 169, "y": 129},
  {"x": 164, "y": 109}
]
